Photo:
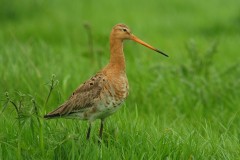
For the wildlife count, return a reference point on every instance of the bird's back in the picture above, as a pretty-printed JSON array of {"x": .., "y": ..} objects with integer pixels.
[{"x": 97, "y": 98}]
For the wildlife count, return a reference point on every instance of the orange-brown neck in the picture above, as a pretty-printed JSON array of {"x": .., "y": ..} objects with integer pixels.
[{"x": 117, "y": 59}]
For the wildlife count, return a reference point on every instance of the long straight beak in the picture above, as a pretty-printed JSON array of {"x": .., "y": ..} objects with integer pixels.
[{"x": 136, "y": 39}]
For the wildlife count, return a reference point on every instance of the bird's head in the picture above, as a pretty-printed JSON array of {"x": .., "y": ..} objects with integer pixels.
[{"x": 122, "y": 32}]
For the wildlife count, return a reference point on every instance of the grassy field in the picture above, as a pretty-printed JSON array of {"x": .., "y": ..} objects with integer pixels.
[{"x": 186, "y": 106}]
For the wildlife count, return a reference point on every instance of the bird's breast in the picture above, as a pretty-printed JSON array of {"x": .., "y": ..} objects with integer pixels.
[
  {"x": 115, "y": 91},
  {"x": 119, "y": 87},
  {"x": 113, "y": 94}
]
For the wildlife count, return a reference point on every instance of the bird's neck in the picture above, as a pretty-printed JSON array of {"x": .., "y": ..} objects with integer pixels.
[{"x": 117, "y": 59}]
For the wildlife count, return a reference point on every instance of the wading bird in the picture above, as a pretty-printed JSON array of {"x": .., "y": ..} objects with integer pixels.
[{"x": 103, "y": 94}]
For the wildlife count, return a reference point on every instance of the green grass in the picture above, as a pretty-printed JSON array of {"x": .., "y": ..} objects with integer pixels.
[{"x": 186, "y": 106}]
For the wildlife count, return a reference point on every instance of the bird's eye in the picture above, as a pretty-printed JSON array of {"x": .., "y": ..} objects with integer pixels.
[{"x": 125, "y": 30}]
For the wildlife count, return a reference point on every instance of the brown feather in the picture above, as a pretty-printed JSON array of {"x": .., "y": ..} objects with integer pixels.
[{"x": 82, "y": 98}]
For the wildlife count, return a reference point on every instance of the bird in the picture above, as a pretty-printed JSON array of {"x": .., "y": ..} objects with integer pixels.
[{"x": 102, "y": 95}]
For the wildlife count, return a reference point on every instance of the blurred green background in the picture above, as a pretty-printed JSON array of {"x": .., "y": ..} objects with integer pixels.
[{"x": 182, "y": 107}]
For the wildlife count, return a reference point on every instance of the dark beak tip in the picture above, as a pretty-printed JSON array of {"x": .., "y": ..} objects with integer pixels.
[
  {"x": 166, "y": 55},
  {"x": 162, "y": 53}
]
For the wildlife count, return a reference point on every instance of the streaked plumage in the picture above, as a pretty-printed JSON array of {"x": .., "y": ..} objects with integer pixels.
[{"x": 103, "y": 94}]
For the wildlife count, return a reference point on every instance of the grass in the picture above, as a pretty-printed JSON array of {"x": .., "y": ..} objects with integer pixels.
[{"x": 183, "y": 107}]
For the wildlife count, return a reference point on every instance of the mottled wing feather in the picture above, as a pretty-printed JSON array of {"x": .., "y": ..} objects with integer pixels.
[{"x": 83, "y": 97}]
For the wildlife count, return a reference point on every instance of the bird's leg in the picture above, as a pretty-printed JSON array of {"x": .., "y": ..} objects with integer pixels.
[
  {"x": 89, "y": 130},
  {"x": 101, "y": 129}
]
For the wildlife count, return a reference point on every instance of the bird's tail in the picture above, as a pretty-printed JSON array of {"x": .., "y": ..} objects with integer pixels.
[
  {"x": 57, "y": 113},
  {"x": 51, "y": 116}
]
